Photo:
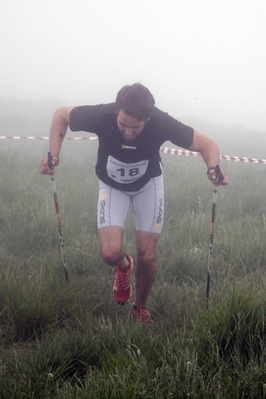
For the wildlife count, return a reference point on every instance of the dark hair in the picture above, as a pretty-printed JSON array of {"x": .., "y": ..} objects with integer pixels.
[{"x": 136, "y": 101}]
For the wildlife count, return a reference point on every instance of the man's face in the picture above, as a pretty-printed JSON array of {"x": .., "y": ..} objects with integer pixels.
[{"x": 129, "y": 126}]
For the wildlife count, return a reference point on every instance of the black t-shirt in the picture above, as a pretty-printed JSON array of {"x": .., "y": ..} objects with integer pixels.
[{"x": 129, "y": 165}]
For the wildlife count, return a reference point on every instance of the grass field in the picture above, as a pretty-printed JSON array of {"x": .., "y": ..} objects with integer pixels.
[{"x": 71, "y": 340}]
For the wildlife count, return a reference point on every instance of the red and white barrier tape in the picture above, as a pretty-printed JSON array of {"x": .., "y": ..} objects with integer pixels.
[
  {"x": 187, "y": 153},
  {"x": 45, "y": 138},
  {"x": 164, "y": 150}
]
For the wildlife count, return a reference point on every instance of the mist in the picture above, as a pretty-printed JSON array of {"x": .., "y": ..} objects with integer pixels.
[{"x": 201, "y": 60}]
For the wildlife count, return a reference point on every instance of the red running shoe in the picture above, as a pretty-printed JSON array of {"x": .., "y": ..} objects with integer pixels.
[
  {"x": 122, "y": 289},
  {"x": 141, "y": 314}
]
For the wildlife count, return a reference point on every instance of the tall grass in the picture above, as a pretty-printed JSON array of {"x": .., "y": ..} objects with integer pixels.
[{"x": 71, "y": 340}]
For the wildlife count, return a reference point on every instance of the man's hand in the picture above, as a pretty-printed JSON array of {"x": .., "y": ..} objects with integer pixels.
[
  {"x": 46, "y": 166},
  {"x": 217, "y": 176}
]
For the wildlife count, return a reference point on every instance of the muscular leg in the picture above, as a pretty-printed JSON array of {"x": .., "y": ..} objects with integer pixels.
[
  {"x": 111, "y": 246},
  {"x": 112, "y": 210},
  {"x": 146, "y": 266}
]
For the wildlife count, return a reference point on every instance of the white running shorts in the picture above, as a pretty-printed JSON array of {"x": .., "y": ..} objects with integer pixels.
[{"x": 147, "y": 203}]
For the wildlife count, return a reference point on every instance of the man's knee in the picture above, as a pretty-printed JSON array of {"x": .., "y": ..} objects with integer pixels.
[
  {"x": 146, "y": 258},
  {"x": 146, "y": 247},
  {"x": 111, "y": 244},
  {"x": 111, "y": 256}
]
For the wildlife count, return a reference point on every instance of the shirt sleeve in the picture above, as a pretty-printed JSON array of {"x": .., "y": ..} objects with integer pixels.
[
  {"x": 83, "y": 118},
  {"x": 174, "y": 131},
  {"x": 180, "y": 134}
]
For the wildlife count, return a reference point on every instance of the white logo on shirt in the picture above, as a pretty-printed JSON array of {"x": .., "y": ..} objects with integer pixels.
[{"x": 128, "y": 147}]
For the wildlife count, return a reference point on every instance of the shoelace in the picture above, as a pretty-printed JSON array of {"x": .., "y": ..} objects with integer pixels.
[{"x": 122, "y": 279}]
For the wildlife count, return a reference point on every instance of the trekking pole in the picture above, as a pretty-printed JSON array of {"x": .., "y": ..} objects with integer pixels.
[
  {"x": 62, "y": 246},
  {"x": 214, "y": 200}
]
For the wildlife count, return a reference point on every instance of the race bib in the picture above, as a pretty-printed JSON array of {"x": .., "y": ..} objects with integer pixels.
[{"x": 125, "y": 173}]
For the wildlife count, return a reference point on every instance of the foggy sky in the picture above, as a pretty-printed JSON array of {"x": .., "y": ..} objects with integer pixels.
[{"x": 202, "y": 58}]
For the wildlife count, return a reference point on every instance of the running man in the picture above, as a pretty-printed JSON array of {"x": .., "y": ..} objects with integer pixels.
[{"x": 131, "y": 131}]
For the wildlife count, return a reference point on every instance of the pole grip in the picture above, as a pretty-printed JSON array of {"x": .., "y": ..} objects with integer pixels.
[
  {"x": 219, "y": 172},
  {"x": 50, "y": 161}
]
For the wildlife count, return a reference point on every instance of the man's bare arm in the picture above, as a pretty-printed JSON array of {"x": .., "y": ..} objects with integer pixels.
[
  {"x": 58, "y": 131},
  {"x": 210, "y": 153}
]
